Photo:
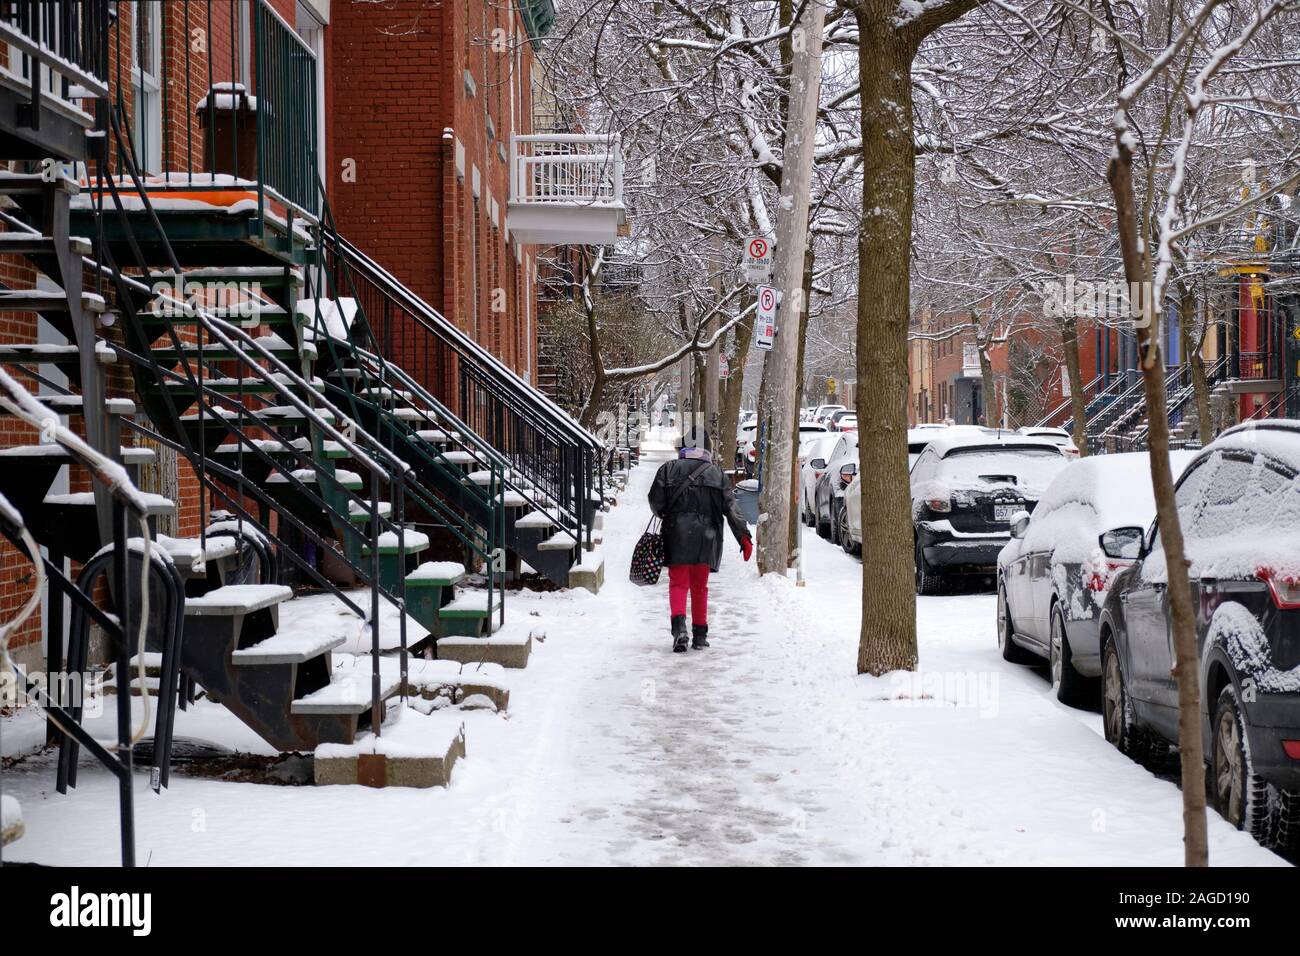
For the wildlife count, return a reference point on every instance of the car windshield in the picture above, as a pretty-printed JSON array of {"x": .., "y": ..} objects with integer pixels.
[{"x": 1026, "y": 466}]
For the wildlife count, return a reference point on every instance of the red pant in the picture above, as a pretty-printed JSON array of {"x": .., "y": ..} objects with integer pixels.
[{"x": 693, "y": 578}]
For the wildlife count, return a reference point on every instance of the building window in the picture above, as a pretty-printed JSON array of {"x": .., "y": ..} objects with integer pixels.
[
  {"x": 146, "y": 72},
  {"x": 473, "y": 273}
]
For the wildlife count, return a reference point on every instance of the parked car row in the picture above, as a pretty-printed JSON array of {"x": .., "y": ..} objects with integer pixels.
[
  {"x": 1084, "y": 583},
  {"x": 1073, "y": 547}
]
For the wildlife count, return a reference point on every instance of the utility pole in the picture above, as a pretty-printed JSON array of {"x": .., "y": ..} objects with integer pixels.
[{"x": 779, "y": 372}]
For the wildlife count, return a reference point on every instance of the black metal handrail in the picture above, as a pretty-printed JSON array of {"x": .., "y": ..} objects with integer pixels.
[
  {"x": 1066, "y": 404},
  {"x": 64, "y": 40},
  {"x": 542, "y": 443}
]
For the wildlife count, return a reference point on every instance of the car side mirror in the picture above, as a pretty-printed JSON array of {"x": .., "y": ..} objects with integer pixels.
[
  {"x": 818, "y": 463},
  {"x": 1127, "y": 544},
  {"x": 1019, "y": 524},
  {"x": 847, "y": 471}
]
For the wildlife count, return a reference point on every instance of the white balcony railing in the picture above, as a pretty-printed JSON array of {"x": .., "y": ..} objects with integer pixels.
[{"x": 566, "y": 169}]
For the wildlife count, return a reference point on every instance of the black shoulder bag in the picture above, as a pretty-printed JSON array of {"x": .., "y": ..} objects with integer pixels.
[{"x": 648, "y": 555}]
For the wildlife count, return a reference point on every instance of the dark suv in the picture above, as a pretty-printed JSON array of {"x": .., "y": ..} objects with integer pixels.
[
  {"x": 1239, "y": 507},
  {"x": 966, "y": 488}
]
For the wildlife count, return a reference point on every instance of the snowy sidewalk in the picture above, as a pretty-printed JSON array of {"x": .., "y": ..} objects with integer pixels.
[{"x": 766, "y": 749}]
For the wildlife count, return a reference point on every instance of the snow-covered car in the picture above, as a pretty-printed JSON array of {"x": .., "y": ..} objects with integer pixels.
[
  {"x": 828, "y": 492},
  {"x": 1239, "y": 508},
  {"x": 1058, "y": 435},
  {"x": 966, "y": 487},
  {"x": 817, "y": 451},
  {"x": 745, "y": 433},
  {"x": 850, "y": 532},
  {"x": 845, "y": 421},
  {"x": 824, "y": 412},
  {"x": 1053, "y": 575},
  {"x": 748, "y": 451}
]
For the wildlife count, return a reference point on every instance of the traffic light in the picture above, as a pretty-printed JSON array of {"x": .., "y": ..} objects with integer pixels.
[{"x": 830, "y": 386}]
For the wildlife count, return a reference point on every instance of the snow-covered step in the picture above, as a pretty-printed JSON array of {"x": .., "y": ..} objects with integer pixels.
[
  {"x": 560, "y": 541},
  {"x": 130, "y": 456},
  {"x": 436, "y": 436},
  {"x": 441, "y": 573},
  {"x": 34, "y": 300},
  {"x": 412, "y": 542},
  {"x": 458, "y": 457},
  {"x": 361, "y": 512},
  {"x": 349, "y": 689},
  {"x": 234, "y": 599},
  {"x": 155, "y": 505},
  {"x": 40, "y": 352},
  {"x": 347, "y": 479},
  {"x": 292, "y": 644},
  {"x": 191, "y": 553},
  {"x": 33, "y": 243},
  {"x": 470, "y": 614},
  {"x": 290, "y": 415},
  {"x": 535, "y": 519},
  {"x": 72, "y": 404}
]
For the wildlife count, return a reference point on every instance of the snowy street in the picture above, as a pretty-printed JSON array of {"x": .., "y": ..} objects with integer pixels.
[{"x": 763, "y": 749}]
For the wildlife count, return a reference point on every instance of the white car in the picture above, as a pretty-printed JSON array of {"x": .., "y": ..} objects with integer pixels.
[
  {"x": 1053, "y": 575},
  {"x": 817, "y": 453},
  {"x": 1058, "y": 436},
  {"x": 748, "y": 451},
  {"x": 826, "y": 411}
]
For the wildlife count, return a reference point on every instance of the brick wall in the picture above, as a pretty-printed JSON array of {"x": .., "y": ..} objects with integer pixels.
[{"x": 402, "y": 112}]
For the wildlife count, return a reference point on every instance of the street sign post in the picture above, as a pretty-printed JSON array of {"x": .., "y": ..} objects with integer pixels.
[
  {"x": 765, "y": 319},
  {"x": 756, "y": 260}
]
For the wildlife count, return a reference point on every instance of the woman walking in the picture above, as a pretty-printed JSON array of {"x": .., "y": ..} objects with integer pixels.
[{"x": 692, "y": 497}]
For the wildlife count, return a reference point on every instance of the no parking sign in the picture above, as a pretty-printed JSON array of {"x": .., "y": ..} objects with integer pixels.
[
  {"x": 765, "y": 318},
  {"x": 756, "y": 259}
]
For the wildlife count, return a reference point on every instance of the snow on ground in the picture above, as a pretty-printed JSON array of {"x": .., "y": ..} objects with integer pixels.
[{"x": 764, "y": 749}]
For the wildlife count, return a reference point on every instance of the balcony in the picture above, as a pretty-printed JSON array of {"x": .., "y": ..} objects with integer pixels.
[
  {"x": 566, "y": 188},
  {"x": 53, "y": 67}
]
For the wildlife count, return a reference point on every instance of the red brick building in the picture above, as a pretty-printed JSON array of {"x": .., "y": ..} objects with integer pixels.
[{"x": 423, "y": 98}]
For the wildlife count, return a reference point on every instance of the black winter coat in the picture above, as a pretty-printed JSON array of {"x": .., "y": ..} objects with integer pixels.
[{"x": 692, "y": 528}]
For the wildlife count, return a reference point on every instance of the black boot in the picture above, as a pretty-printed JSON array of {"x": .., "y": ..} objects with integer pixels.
[
  {"x": 679, "y": 633},
  {"x": 699, "y": 636}
]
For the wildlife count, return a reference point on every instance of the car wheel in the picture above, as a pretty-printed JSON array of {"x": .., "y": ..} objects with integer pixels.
[
  {"x": 1245, "y": 799},
  {"x": 835, "y": 522},
  {"x": 1011, "y": 651},
  {"x": 1117, "y": 716},
  {"x": 1071, "y": 687},
  {"x": 928, "y": 580},
  {"x": 846, "y": 539},
  {"x": 823, "y": 525}
]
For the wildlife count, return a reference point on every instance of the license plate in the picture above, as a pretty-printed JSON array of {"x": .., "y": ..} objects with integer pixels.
[{"x": 1004, "y": 512}]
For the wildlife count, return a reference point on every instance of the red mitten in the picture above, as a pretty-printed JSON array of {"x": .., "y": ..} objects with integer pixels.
[{"x": 747, "y": 547}]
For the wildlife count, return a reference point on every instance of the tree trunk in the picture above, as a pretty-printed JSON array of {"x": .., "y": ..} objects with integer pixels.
[
  {"x": 888, "y": 636},
  {"x": 733, "y": 392},
  {"x": 1078, "y": 400},
  {"x": 988, "y": 387},
  {"x": 798, "y": 400},
  {"x": 1179, "y": 592},
  {"x": 791, "y": 242},
  {"x": 1192, "y": 341}
]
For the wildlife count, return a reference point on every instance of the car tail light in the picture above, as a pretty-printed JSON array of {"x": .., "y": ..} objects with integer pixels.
[
  {"x": 1292, "y": 748},
  {"x": 1285, "y": 588},
  {"x": 939, "y": 504},
  {"x": 753, "y": 453},
  {"x": 817, "y": 474}
]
